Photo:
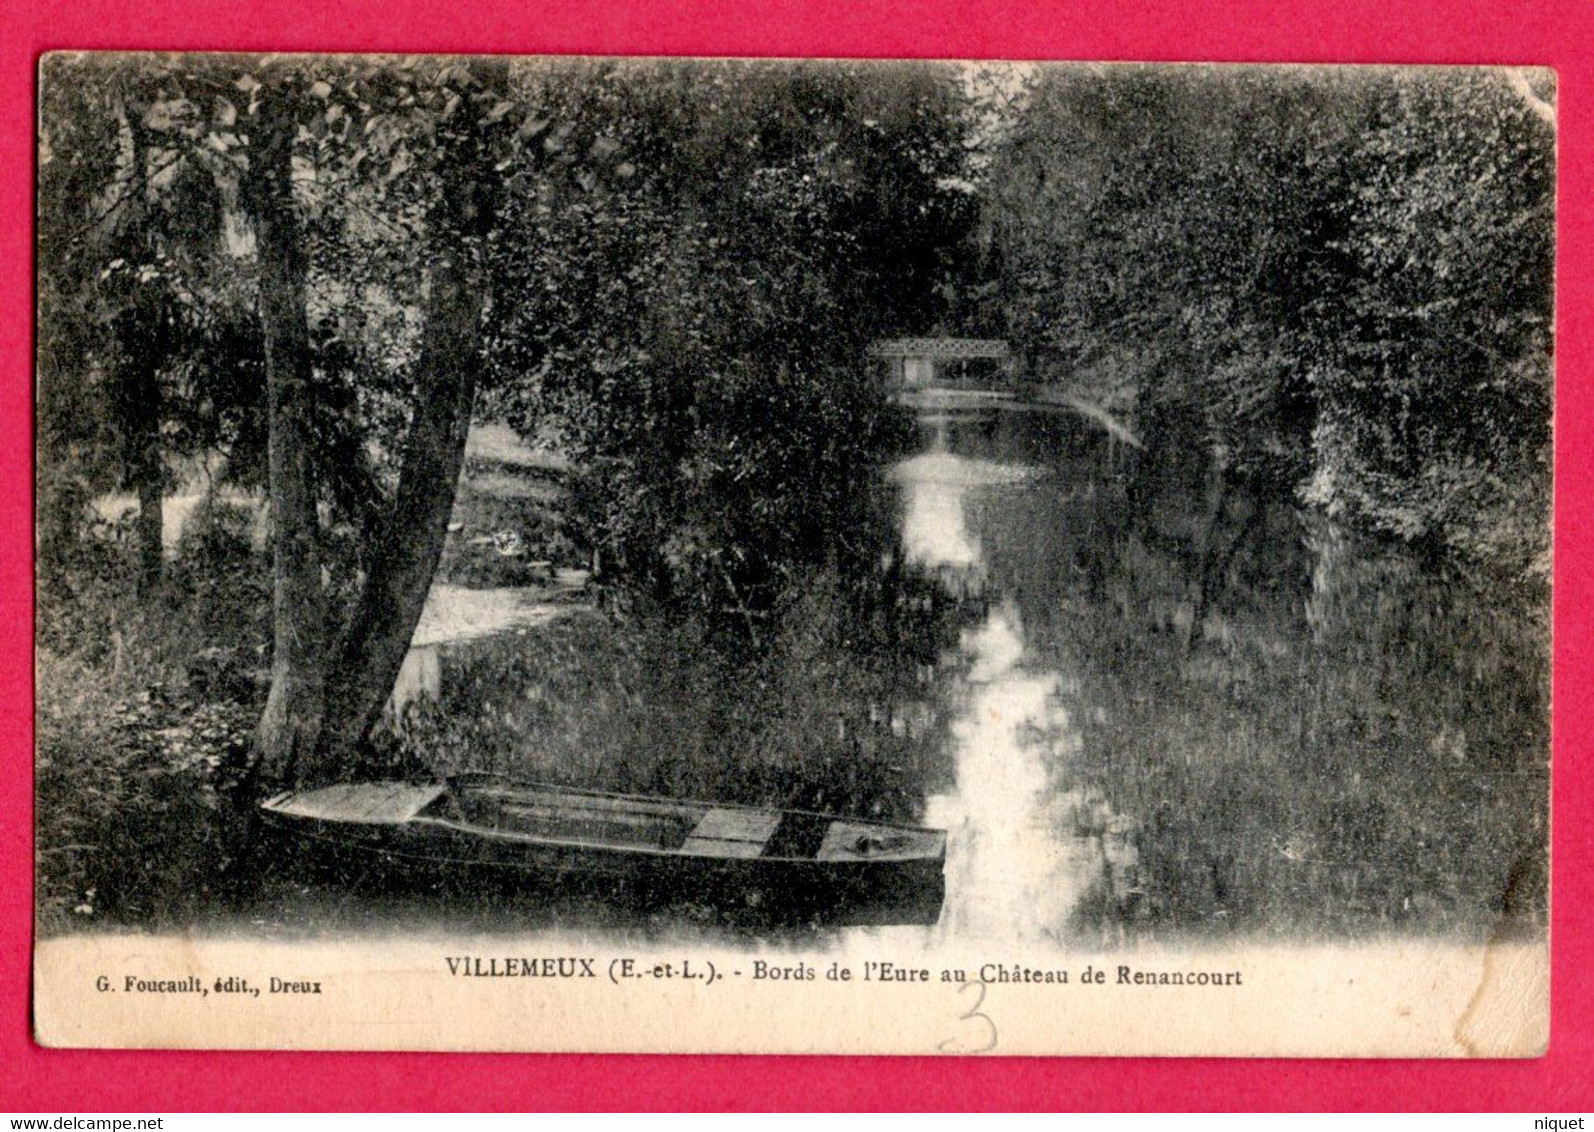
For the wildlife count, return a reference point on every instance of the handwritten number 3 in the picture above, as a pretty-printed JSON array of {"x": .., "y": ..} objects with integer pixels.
[{"x": 973, "y": 1012}]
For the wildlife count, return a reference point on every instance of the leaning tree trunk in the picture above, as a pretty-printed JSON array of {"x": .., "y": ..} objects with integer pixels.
[
  {"x": 402, "y": 564},
  {"x": 288, "y": 737}
]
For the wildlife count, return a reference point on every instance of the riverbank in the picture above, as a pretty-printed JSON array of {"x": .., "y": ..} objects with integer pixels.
[
  {"x": 1330, "y": 737},
  {"x": 147, "y": 703}
]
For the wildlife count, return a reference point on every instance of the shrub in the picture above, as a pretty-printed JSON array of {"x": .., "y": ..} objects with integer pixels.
[{"x": 128, "y": 786}]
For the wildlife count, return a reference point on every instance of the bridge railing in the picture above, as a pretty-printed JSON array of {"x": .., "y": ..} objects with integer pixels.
[{"x": 940, "y": 349}]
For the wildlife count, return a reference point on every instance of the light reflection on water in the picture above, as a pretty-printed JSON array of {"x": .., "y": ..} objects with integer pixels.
[
  {"x": 1010, "y": 874},
  {"x": 935, "y": 487},
  {"x": 1015, "y": 869}
]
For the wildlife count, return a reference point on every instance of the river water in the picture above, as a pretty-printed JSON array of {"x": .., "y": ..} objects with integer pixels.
[
  {"x": 1143, "y": 705},
  {"x": 1025, "y": 845},
  {"x": 1183, "y": 705}
]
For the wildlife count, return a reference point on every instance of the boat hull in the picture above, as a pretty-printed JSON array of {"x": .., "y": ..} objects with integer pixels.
[{"x": 410, "y": 850}]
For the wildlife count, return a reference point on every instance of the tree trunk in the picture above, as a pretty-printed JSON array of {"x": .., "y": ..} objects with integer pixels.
[
  {"x": 402, "y": 565},
  {"x": 289, "y": 732},
  {"x": 141, "y": 344},
  {"x": 151, "y": 522},
  {"x": 1217, "y": 555},
  {"x": 143, "y": 347}
]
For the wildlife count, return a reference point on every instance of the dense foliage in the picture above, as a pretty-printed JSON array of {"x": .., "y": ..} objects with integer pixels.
[
  {"x": 1337, "y": 284},
  {"x": 695, "y": 326}
]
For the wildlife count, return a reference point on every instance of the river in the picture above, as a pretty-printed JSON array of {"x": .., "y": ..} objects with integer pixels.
[{"x": 1140, "y": 707}]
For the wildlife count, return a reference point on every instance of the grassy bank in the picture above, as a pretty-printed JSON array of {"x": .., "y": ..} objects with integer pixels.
[
  {"x": 144, "y": 712},
  {"x": 146, "y": 703},
  {"x": 1350, "y": 742},
  {"x": 655, "y": 704}
]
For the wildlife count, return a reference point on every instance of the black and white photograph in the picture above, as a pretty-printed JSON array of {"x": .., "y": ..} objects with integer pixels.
[{"x": 793, "y": 555}]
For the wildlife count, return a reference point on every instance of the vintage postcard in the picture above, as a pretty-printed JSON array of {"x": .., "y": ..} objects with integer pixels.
[{"x": 793, "y": 556}]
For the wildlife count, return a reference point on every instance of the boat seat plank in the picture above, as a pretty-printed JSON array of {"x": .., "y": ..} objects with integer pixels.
[
  {"x": 372, "y": 803},
  {"x": 753, "y": 826}
]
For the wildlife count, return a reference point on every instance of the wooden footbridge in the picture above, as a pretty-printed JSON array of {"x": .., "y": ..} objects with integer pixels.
[
  {"x": 937, "y": 373},
  {"x": 917, "y": 363}
]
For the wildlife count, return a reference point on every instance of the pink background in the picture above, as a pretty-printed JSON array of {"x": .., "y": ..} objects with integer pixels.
[{"x": 1559, "y": 33}]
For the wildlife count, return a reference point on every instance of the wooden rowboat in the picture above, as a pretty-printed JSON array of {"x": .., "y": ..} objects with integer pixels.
[{"x": 709, "y": 850}]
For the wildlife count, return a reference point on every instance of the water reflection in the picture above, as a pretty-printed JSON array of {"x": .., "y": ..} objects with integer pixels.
[
  {"x": 1014, "y": 869},
  {"x": 935, "y": 488},
  {"x": 1009, "y": 874},
  {"x": 934, "y": 533}
]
